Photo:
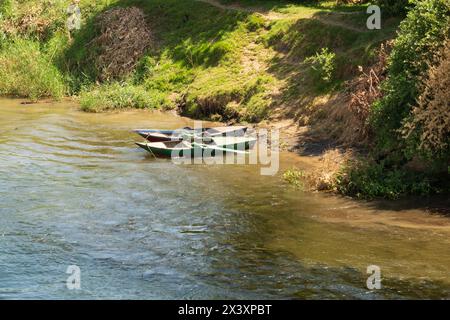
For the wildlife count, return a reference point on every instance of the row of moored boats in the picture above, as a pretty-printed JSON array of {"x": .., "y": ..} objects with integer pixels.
[{"x": 188, "y": 142}]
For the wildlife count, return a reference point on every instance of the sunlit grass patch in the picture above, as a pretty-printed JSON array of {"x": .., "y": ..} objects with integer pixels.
[
  {"x": 25, "y": 71},
  {"x": 118, "y": 96}
]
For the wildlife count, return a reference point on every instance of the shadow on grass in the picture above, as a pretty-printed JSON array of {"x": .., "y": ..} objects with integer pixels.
[
  {"x": 191, "y": 32},
  {"x": 353, "y": 46},
  {"x": 264, "y": 6}
]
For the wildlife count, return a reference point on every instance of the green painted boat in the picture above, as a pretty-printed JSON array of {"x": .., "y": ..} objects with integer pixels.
[
  {"x": 155, "y": 135},
  {"x": 202, "y": 148}
]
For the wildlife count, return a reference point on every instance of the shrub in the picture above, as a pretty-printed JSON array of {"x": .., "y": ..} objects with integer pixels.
[
  {"x": 322, "y": 66},
  {"x": 421, "y": 33},
  {"x": 325, "y": 176},
  {"x": 393, "y": 7},
  {"x": 25, "y": 71},
  {"x": 367, "y": 179},
  {"x": 294, "y": 177},
  {"x": 428, "y": 127}
]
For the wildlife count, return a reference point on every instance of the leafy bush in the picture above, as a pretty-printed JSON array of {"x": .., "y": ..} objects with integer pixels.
[
  {"x": 393, "y": 7},
  {"x": 322, "y": 66},
  {"x": 428, "y": 127},
  {"x": 368, "y": 180},
  {"x": 421, "y": 34},
  {"x": 119, "y": 96},
  {"x": 26, "y": 71}
]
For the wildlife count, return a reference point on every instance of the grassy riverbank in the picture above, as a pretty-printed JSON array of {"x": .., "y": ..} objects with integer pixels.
[
  {"x": 237, "y": 61},
  {"x": 211, "y": 62}
]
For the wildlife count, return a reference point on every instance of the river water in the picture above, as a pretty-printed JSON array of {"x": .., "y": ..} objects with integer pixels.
[{"x": 75, "y": 190}]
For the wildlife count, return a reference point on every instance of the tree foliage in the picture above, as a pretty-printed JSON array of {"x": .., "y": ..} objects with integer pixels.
[{"x": 421, "y": 34}]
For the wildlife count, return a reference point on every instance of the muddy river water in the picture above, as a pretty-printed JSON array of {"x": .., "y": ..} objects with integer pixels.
[{"x": 75, "y": 190}]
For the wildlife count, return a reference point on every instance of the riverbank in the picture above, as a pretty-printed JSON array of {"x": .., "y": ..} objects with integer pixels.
[
  {"x": 298, "y": 67},
  {"x": 208, "y": 60}
]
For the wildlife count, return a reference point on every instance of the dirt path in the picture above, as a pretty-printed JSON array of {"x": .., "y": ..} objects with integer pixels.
[
  {"x": 270, "y": 15},
  {"x": 217, "y": 4},
  {"x": 339, "y": 24},
  {"x": 294, "y": 137}
]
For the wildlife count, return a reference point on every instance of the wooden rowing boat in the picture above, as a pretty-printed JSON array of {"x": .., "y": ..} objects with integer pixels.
[
  {"x": 155, "y": 135},
  {"x": 202, "y": 148}
]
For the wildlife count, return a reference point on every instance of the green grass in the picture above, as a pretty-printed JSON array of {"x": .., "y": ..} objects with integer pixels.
[
  {"x": 203, "y": 58},
  {"x": 195, "y": 60},
  {"x": 200, "y": 63},
  {"x": 32, "y": 19},
  {"x": 367, "y": 179},
  {"x": 118, "y": 96},
  {"x": 301, "y": 38},
  {"x": 26, "y": 71},
  {"x": 295, "y": 6},
  {"x": 198, "y": 57}
]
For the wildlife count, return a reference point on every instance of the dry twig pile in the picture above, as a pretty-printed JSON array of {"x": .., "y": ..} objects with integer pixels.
[
  {"x": 124, "y": 38},
  {"x": 366, "y": 88},
  {"x": 431, "y": 117}
]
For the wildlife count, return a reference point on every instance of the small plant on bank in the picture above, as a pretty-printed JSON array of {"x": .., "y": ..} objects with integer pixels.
[
  {"x": 322, "y": 67},
  {"x": 294, "y": 177}
]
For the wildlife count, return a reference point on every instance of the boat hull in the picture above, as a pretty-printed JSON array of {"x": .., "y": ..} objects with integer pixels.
[{"x": 184, "y": 149}]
